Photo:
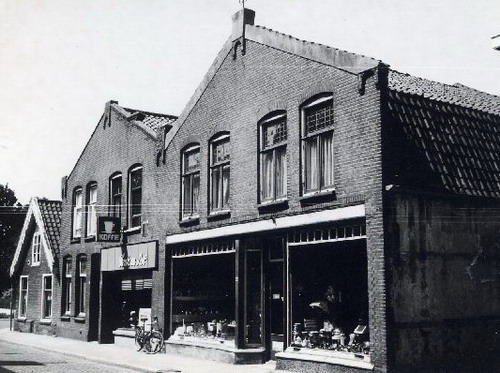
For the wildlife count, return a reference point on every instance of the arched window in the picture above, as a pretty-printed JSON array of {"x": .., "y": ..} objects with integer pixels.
[
  {"x": 317, "y": 144},
  {"x": 115, "y": 195},
  {"x": 91, "y": 204},
  {"x": 77, "y": 212},
  {"x": 220, "y": 156},
  {"x": 190, "y": 169},
  {"x": 135, "y": 196},
  {"x": 273, "y": 168}
]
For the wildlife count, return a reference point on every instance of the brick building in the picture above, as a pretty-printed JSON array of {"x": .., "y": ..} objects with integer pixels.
[
  {"x": 113, "y": 177},
  {"x": 34, "y": 268},
  {"x": 309, "y": 205}
]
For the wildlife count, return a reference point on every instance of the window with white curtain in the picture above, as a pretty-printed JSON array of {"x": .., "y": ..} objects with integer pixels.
[
  {"x": 77, "y": 212},
  {"x": 273, "y": 167},
  {"x": 190, "y": 181},
  {"x": 317, "y": 141},
  {"x": 35, "y": 249},
  {"x": 219, "y": 173},
  {"x": 47, "y": 296},
  {"x": 23, "y": 296},
  {"x": 91, "y": 209},
  {"x": 135, "y": 197}
]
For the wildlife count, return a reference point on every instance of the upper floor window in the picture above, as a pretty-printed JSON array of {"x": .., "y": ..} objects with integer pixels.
[
  {"x": 47, "y": 296},
  {"x": 67, "y": 286},
  {"x": 115, "y": 195},
  {"x": 77, "y": 212},
  {"x": 317, "y": 145},
  {"x": 81, "y": 285},
  {"x": 135, "y": 197},
  {"x": 23, "y": 296},
  {"x": 273, "y": 169},
  {"x": 219, "y": 172},
  {"x": 91, "y": 209},
  {"x": 190, "y": 180},
  {"x": 35, "y": 249}
]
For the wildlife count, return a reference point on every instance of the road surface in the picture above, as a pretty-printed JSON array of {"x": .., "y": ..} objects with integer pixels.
[{"x": 20, "y": 359}]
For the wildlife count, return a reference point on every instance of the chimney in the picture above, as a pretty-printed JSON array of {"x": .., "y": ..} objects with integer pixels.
[
  {"x": 64, "y": 187},
  {"x": 241, "y": 18}
]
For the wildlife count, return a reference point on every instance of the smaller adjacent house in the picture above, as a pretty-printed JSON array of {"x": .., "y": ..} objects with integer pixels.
[{"x": 33, "y": 267}]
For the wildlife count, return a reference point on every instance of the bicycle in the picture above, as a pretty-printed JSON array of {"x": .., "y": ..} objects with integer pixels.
[{"x": 151, "y": 341}]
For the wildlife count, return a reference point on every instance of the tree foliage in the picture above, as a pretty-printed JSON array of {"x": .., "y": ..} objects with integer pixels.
[{"x": 12, "y": 215}]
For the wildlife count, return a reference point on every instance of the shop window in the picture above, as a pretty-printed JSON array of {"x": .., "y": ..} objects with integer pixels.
[
  {"x": 23, "y": 296},
  {"x": 115, "y": 195},
  {"x": 135, "y": 293},
  {"x": 190, "y": 181},
  {"x": 317, "y": 145},
  {"x": 329, "y": 297},
  {"x": 219, "y": 173},
  {"x": 91, "y": 209},
  {"x": 81, "y": 285},
  {"x": 135, "y": 197},
  {"x": 67, "y": 286},
  {"x": 35, "y": 249},
  {"x": 47, "y": 296},
  {"x": 273, "y": 167},
  {"x": 203, "y": 302},
  {"x": 77, "y": 212}
]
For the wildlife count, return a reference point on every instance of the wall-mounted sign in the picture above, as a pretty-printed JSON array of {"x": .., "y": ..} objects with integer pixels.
[
  {"x": 137, "y": 256},
  {"x": 108, "y": 229}
]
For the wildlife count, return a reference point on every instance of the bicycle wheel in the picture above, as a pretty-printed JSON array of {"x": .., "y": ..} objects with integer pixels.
[
  {"x": 139, "y": 339},
  {"x": 155, "y": 342}
]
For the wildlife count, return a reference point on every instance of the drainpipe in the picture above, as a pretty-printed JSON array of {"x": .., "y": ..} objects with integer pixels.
[{"x": 10, "y": 314}]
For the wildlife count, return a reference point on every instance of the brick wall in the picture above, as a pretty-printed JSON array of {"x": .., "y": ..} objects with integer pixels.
[
  {"x": 111, "y": 148},
  {"x": 240, "y": 94},
  {"x": 35, "y": 282}
]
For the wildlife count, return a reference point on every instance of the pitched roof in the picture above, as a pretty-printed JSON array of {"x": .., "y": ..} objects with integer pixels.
[
  {"x": 455, "y": 128},
  {"x": 51, "y": 215},
  {"x": 46, "y": 215},
  {"x": 155, "y": 121}
]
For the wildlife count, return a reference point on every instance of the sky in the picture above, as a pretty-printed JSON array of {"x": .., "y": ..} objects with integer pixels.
[{"x": 62, "y": 60}]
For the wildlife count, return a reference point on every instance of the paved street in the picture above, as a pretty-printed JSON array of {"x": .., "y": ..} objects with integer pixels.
[
  {"x": 14, "y": 358},
  {"x": 4, "y": 323}
]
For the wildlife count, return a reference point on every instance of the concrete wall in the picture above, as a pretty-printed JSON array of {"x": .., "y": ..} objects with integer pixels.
[
  {"x": 444, "y": 260},
  {"x": 245, "y": 89},
  {"x": 111, "y": 148}
]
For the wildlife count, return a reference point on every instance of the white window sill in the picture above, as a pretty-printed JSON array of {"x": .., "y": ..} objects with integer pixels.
[
  {"x": 37, "y": 264},
  {"x": 133, "y": 230},
  {"x": 219, "y": 214},
  {"x": 46, "y": 321},
  {"x": 329, "y": 357},
  {"x": 21, "y": 318}
]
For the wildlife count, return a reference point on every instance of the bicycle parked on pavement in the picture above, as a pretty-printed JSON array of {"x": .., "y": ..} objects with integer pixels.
[{"x": 151, "y": 341}]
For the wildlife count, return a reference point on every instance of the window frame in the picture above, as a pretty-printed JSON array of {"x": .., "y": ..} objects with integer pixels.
[
  {"x": 91, "y": 210},
  {"x": 115, "y": 210},
  {"x": 130, "y": 215},
  {"x": 36, "y": 248},
  {"x": 273, "y": 149},
  {"x": 81, "y": 286},
  {"x": 78, "y": 209},
  {"x": 67, "y": 293},
  {"x": 45, "y": 316},
  {"x": 190, "y": 175},
  {"x": 22, "y": 301},
  {"x": 220, "y": 166},
  {"x": 318, "y": 136}
]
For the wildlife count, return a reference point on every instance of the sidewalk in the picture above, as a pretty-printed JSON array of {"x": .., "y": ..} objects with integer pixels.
[{"x": 129, "y": 358}]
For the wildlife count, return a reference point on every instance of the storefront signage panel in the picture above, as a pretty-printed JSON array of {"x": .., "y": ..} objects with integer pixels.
[
  {"x": 138, "y": 256},
  {"x": 108, "y": 229}
]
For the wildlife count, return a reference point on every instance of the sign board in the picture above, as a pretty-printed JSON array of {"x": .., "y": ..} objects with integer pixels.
[
  {"x": 137, "y": 256},
  {"x": 108, "y": 229},
  {"x": 145, "y": 318}
]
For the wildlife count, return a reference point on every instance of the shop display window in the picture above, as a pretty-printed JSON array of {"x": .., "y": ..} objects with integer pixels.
[
  {"x": 134, "y": 293},
  {"x": 203, "y": 301},
  {"x": 329, "y": 295}
]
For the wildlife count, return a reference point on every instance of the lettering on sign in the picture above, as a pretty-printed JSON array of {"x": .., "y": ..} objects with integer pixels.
[{"x": 133, "y": 261}]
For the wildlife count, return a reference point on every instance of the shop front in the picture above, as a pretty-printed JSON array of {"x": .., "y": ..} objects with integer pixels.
[
  {"x": 127, "y": 283},
  {"x": 295, "y": 292}
]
